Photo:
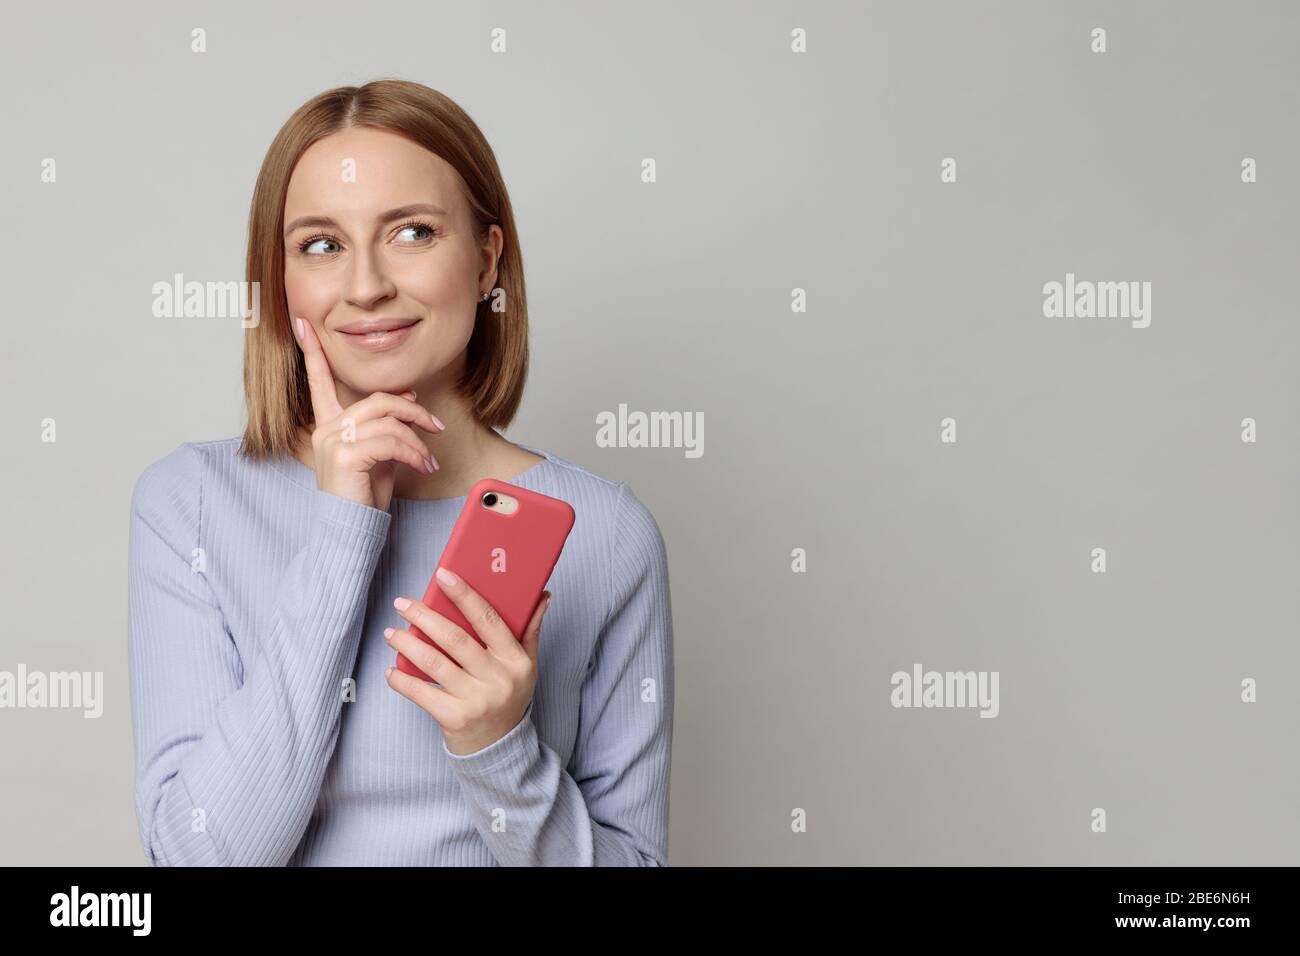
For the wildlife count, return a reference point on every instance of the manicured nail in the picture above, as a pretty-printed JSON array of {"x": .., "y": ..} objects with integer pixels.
[
  {"x": 436, "y": 422},
  {"x": 389, "y": 672},
  {"x": 301, "y": 331},
  {"x": 388, "y": 633},
  {"x": 401, "y": 604},
  {"x": 428, "y": 464},
  {"x": 446, "y": 577}
]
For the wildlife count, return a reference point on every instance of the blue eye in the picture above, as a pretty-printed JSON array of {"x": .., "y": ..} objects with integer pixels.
[
  {"x": 306, "y": 244},
  {"x": 418, "y": 225},
  {"x": 303, "y": 246}
]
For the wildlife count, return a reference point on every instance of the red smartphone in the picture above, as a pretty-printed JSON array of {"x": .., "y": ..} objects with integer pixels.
[{"x": 504, "y": 545}]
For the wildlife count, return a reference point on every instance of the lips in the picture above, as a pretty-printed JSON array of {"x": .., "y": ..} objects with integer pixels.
[
  {"x": 368, "y": 328},
  {"x": 378, "y": 336}
]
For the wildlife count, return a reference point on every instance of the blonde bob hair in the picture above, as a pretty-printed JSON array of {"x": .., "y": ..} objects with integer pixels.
[{"x": 277, "y": 399}]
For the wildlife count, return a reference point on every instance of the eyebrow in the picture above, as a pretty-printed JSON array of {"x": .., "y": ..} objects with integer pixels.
[{"x": 401, "y": 212}]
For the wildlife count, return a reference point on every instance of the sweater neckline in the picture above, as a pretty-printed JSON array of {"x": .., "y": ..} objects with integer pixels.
[{"x": 300, "y": 474}]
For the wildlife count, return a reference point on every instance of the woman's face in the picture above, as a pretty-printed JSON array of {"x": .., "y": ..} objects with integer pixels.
[{"x": 369, "y": 264}]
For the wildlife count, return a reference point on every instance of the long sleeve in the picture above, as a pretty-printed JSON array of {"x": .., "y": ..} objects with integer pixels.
[
  {"x": 613, "y": 809},
  {"x": 231, "y": 753}
]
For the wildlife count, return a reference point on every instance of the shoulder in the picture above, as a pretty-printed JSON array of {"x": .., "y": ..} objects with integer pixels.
[
  {"x": 611, "y": 505},
  {"x": 182, "y": 468},
  {"x": 633, "y": 559},
  {"x": 169, "y": 490},
  {"x": 635, "y": 556},
  {"x": 639, "y": 555}
]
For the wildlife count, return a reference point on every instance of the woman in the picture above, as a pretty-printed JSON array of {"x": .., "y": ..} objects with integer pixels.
[{"x": 273, "y": 578}]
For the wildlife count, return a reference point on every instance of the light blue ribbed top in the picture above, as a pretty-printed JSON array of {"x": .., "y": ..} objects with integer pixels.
[{"x": 253, "y": 596}]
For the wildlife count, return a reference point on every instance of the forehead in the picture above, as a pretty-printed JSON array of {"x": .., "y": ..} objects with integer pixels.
[{"x": 363, "y": 171}]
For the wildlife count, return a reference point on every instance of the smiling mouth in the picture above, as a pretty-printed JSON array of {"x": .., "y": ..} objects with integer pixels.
[
  {"x": 380, "y": 330},
  {"x": 388, "y": 336}
]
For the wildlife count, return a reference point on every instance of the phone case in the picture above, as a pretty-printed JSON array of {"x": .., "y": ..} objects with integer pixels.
[{"x": 506, "y": 558}]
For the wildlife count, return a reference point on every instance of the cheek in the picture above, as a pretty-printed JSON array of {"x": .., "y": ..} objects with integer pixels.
[
  {"x": 309, "y": 293},
  {"x": 443, "y": 288}
]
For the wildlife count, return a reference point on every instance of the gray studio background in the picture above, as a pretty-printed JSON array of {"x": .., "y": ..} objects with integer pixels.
[{"x": 776, "y": 171}]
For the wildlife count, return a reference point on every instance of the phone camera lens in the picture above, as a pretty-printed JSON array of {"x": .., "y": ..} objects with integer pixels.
[{"x": 489, "y": 499}]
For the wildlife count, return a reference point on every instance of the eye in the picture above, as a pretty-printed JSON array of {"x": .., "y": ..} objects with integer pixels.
[
  {"x": 427, "y": 227},
  {"x": 307, "y": 243}
]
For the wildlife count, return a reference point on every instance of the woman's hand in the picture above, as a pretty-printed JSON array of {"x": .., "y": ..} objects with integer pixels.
[
  {"x": 486, "y": 685},
  {"x": 357, "y": 448}
]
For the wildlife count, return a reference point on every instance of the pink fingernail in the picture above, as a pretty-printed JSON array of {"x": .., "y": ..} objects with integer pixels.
[
  {"x": 401, "y": 604},
  {"x": 446, "y": 577},
  {"x": 301, "y": 331},
  {"x": 436, "y": 422}
]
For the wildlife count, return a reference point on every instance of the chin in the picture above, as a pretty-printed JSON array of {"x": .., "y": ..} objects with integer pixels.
[{"x": 382, "y": 372}]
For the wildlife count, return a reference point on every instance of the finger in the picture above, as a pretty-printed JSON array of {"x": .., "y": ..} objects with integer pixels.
[
  {"x": 438, "y": 704},
  {"x": 378, "y": 404},
  {"x": 320, "y": 380},
  {"x": 399, "y": 430},
  {"x": 482, "y": 616},
  {"x": 533, "y": 633},
  {"x": 364, "y": 454},
  {"x": 458, "y": 643},
  {"x": 440, "y": 668}
]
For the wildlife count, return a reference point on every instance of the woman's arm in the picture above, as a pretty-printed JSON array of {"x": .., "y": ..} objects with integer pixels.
[
  {"x": 230, "y": 754},
  {"x": 613, "y": 809}
]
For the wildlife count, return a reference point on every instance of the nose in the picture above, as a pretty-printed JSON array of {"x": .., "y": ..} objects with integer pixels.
[{"x": 368, "y": 282}]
